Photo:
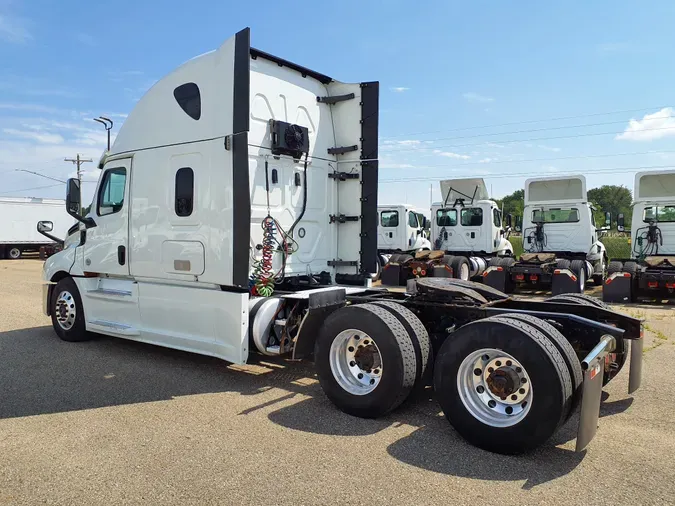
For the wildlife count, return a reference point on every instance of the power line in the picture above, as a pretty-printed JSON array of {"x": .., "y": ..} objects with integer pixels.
[
  {"x": 510, "y": 141},
  {"x": 531, "y": 130},
  {"x": 551, "y": 159},
  {"x": 530, "y": 121},
  {"x": 29, "y": 189},
  {"x": 521, "y": 174}
]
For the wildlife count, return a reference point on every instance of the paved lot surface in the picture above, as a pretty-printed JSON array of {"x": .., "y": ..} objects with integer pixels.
[{"x": 115, "y": 422}]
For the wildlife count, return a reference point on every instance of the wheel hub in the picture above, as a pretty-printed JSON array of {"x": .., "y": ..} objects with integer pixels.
[
  {"x": 65, "y": 310},
  {"x": 356, "y": 362},
  {"x": 494, "y": 387}
]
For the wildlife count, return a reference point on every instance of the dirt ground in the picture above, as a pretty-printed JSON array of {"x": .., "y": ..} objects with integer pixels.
[{"x": 111, "y": 421}]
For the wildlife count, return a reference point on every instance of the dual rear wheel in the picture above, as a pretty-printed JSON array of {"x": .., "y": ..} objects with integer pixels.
[{"x": 506, "y": 383}]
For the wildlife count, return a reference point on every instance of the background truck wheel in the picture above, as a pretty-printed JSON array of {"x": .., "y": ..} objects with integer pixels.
[
  {"x": 565, "y": 349},
  {"x": 365, "y": 360},
  {"x": 13, "y": 253},
  {"x": 67, "y": 311},
  {"x": 503, "y": 385},
  {"x": 578, "y": 267},
  {"x": 614, "y": 267},
  {"x": 562, "y": 263},
  {"x": 420, "y": 340},
  {"x": 378, "y": 269},
  {"x": 620, "y": 355},
  {"x": 461, "y": 268},
  {"x": 494, "y": 262}
]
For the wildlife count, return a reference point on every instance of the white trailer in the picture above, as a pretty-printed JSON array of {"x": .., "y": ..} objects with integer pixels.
[
  {"x": 19, "y": 217},
  {"x": 218, "y": 227},
  {"x": 561, "y": 241}
]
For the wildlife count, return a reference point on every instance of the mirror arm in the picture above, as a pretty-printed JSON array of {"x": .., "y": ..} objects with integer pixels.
[
  {"x": 88, "y": 222},
  {"x": 53, "y": 238}
]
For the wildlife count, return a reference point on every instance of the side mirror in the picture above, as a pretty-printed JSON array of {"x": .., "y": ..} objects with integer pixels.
[
  {"x": 519, "y": 223},
  {"x": 509, "y": 220},
  {"x": 608, "y": 219},
  {"x": 45, "y": 227},
  {"x": 74, "y": 202},
  {"x": 620, "y": 225}
]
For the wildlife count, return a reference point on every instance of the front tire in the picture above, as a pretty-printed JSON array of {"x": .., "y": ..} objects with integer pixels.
[
  {"x": 503, "y": 385},
  {"x": 365, "y": 360},
  {"x": 67, "y": 311}
]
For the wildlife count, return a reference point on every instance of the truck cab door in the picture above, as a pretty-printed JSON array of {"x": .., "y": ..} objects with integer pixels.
[
  {"x": 106, "y": 249},
  {"x": 471, "y": 221},
  {"x": 413, "y": 231}
]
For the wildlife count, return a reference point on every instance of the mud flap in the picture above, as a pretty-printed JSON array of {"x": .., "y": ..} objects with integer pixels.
[
  {"x": 564, "y": 281},
  {"x": 394, "y": 275},
  {"x": 497, "y": 278},
  {"x": 618, "y": 287},
  {"x": 593, "y": 367}
]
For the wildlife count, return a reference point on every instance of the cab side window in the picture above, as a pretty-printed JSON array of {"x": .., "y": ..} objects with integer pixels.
[
  {"x": 497, "y": 217},
  {"x": 412, "y": 220},
  {"x": 111, "y": 192}
]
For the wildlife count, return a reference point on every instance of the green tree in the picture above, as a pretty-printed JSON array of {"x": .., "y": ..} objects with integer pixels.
[{"x": 612, "y": 198}]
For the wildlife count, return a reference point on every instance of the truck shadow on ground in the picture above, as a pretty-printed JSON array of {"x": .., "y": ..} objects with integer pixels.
[{"x": 41, "y": 374}]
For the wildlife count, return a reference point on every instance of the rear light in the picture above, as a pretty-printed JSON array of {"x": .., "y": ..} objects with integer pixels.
[
  {"x": 534, "y": 277},
  {"x": 423, "y": 272},
  {"x": 557, "y": 271},
  {"x": 653, "y": 284},
  {"x": 520, "y": 277},
  {"x": 670, "y": 285}
]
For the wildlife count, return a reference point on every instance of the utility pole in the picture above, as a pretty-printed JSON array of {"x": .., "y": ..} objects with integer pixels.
[
  {"x": 78, "y": 161},
  {"x": 431, "y": 194}
]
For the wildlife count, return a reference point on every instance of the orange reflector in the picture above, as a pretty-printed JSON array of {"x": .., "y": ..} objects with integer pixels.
[
  {"x": 500, "y": 269},
  {"x": 609, "y": 280},
  {"x": 448, "y": 268},
  {"x": 557, "y": 271},
  {"x": 574, "y": 278},
  {"x": 485, "y": 274},
  {"x": 626, "y": 274}
]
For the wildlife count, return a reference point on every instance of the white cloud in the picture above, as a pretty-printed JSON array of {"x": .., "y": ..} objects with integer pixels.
[
  {"x": 493, "y": 145},
  {"x": 43, "y": 137},
  {"x": 476, "y": 98},
  {"x": 651, "y": 127},
  {"x": 399, "y": 89},
  {"x": 548, "y": 148},
  {"x": 14, "y": 29},
  {"x": 450, "y": 154},
  {"x": 486, "y": 160}
]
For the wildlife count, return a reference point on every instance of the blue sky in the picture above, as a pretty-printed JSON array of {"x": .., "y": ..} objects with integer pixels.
[{"x": 449, "y": 72}]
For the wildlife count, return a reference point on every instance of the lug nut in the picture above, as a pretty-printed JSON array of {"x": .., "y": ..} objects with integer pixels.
[
  {"x": 498, "y": 363},
  {"x": 480, "y": 389},
  {"x": 492, "y": 403},
  {"x": 523, "y": 380},
  {"x": 477, "y": 372},
  {"x": 518, "y": 369},
  {"x": 514, "y": 397},
  {"x": 509, "y": 363},
  {"x": 491, "y": 370},
  {"x": 521, "y": 391},
  {"x": 366, "y": 341},
  {"x": 376, "y": 371}
]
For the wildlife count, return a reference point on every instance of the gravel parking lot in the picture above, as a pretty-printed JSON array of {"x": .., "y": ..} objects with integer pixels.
[{"x": 115, "y": 422}]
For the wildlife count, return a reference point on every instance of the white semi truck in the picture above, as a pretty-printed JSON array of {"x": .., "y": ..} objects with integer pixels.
[
  {"x": 222, "y": 225},
  {"x": 18, "y": 216},
  {"x": 402, "y": 231},
  {"x": 561, "y": 241},
  {"x": 468, "y": 234},
  {"x": 650, "y": 270}
]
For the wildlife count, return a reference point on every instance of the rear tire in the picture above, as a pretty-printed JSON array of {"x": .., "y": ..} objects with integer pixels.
[
  {"x": 614, "y": 267},
  {"x": 14, "y": 253},
  {"x": 419, "y": 337},
  {"x": 563, "y": 263},
  {"x": 472, "y": 412},
  {"x": 578, "y": 267},
  {"x": 394, "y": 374},
  {"x": 461, "y": 268},
  {"x": 67, "y": 312}
]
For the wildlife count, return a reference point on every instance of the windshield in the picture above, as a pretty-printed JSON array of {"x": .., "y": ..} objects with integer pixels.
[
  {"x": 661, "y": 214},
  {"x": 569, "y": 215}
]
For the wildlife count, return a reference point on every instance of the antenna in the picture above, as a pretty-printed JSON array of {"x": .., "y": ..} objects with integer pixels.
[{"x": 107, "y": 124}]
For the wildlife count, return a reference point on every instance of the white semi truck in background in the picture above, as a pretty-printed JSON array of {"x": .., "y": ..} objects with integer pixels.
[
  {"x": 561, "y": 241},
  {"x": 650, "y": 270},
  {"x": 468, "y": 233},
  {"x": 223, "y": 224},
  {"x": 402, "y": 231},
  {"x": 18, "y": 216}
]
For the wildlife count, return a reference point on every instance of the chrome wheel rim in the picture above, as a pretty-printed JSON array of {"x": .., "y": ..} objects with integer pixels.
[
  {"x": 356, "y": 362},
  {"x": 65, "y": 310},
  {"x": 464, "y": 272},
  {"x": 494, "y": 387},
  {"x": 14, "y": 253}
]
